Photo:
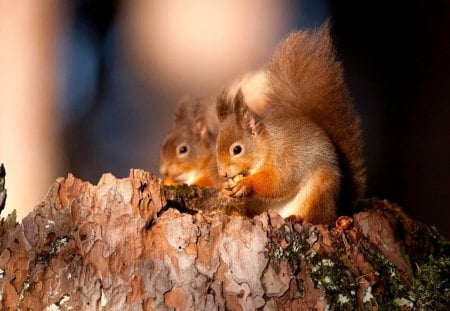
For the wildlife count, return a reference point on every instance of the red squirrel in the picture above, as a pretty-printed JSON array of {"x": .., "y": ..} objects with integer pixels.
[
  {"x": 188, "y": 151},
  {"x": 301, "y": 153}
]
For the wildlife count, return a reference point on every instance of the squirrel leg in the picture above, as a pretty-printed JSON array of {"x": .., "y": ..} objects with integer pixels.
[
  {"x": 316, "y": 200},
  {"x": 261, "y": 184},
  {"x": 237, "y": 188}
]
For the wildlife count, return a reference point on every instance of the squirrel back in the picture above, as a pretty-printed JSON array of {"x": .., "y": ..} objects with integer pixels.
[
  {"x": 305, "y": 78},
  {"x": 188, "y": 151},
  {"x": 302, "y": 153}
]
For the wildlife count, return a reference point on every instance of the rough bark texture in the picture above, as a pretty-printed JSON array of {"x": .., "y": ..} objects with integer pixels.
[{"x": 122, "y": 245}]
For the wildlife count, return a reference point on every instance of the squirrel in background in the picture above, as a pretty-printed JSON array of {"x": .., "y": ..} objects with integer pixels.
[
  {"x": 188, "y": 151},
  {"x": 300, "y": 154}
]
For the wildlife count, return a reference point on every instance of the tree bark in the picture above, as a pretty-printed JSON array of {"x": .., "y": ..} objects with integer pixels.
[{"x": 131, "y": 244}]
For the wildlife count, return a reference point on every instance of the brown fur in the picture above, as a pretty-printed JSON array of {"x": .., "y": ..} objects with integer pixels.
[
  {"x": 303, "y": 154},
  {"x": 305, "y": 77},
  {"x": 195, "y": 126}
]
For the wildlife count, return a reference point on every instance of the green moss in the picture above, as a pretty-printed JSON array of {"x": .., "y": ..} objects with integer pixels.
[
  {"x": 432, "y": 284},
  {"x": 43, "y": 259},
  {"x": 330, "y": 276},
  {"x": 26, "y": 287},
  {"x": 333, "y": 270},
  {"x": 178, "y": 192},
  {"x": 392, "y": 289},
  {"x": 428, "y": 290},
  {"x": 54, "y": 249},
  {"x": 295, "y": 244},
  {"x": 441, "y": 245},
  {"x": 191, "y": 199}
]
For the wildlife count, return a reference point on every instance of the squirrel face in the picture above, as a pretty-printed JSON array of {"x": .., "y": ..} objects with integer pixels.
[
  {"x": 184, "y": 157},
  {"x": 238, "y": 146},
  {"x": 188, "y": 152}
]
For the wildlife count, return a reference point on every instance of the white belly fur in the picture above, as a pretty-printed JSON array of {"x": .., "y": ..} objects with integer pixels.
[{"x": 295, "y": 206}]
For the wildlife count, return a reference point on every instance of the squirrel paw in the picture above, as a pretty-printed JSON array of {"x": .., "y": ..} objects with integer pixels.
[{"x": 237, "y": 187}]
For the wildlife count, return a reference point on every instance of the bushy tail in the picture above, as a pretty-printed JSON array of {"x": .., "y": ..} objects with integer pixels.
[{"x": 305, "y": 79}]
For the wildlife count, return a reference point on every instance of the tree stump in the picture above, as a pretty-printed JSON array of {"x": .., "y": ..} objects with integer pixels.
[{"x": 132, "y": 244}]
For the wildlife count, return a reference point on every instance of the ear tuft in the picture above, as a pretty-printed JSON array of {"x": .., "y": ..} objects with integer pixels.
[
  {"x": 247, "y": 118},
  {"x": 236, "y": 106},
  {"x": 185, "y": 111},
  {"x": 223, "y": 106}
]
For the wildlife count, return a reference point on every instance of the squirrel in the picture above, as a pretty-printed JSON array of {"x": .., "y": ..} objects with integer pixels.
[
  {"x": 301, "y": 154},
  {"x": 188, "y": 151}
]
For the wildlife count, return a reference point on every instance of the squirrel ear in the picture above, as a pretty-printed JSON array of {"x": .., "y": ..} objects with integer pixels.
[
  {"x": 184, "y": 111},
  {"x": 247, "y": 118},
  {"x": 223, "y": 107},
  {"x": 244, "y": 116},
  {"x": 201, "y": 129}
]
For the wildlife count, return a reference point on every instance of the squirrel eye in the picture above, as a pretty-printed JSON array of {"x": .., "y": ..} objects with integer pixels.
[
  {"x": 182, "y": 149},
  {"x": 236, "y": 149}
]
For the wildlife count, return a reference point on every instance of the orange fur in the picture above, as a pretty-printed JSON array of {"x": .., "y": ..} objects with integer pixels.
[
  {"x": 317, "y": 206},
  {"x": 195, "y": 128},
  {"x": 302, "y": 153},
  {"x": 205, "y": 181},
  {"x": 305, "y": 77}
]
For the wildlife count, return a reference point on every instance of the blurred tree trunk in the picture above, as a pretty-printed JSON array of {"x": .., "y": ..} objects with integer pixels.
[
  {"x": 29, "y": 78},
  {"x": 130, "y": 244}
]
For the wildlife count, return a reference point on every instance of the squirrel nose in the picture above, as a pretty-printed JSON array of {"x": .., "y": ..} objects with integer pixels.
[
  {"x": 163, "y": 170},
  {"x": 222, "y": 172}
]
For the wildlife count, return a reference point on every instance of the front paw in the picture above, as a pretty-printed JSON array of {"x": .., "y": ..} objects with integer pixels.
[{"x": 237, "y": 187}]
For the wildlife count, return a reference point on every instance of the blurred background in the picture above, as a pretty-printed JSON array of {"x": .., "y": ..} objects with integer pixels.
[{"x": 89, "y": 87}]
